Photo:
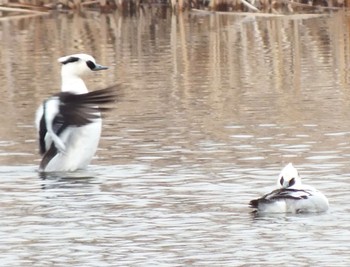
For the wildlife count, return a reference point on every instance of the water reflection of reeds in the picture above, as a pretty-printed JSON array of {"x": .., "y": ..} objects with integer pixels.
[{"x": 211, "y": 69}]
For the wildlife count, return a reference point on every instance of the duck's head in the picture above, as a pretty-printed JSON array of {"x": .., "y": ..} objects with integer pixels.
[
  {"x": 289, "y": 177},
  {"x": 79, "y": 65}
]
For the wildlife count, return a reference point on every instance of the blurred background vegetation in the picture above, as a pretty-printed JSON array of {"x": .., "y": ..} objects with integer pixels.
[{"x": 177, "y": 5}]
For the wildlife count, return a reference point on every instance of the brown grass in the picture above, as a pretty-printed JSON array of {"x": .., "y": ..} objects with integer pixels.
[{"x": 267, "y": 6}]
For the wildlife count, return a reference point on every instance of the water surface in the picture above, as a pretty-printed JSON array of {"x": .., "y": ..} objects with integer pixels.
[{"x": 211, "y": 109}]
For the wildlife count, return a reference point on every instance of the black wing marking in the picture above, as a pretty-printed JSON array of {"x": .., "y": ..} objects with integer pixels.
[
  {"x": 278, "y": 194},
  {"x": 82, "y": 109},
  {"x": 42, "y": 133},
  {"x": 75, "y": 110},
  {"x": 58, "y": 126},
  {"x": 48, "y": 156}
]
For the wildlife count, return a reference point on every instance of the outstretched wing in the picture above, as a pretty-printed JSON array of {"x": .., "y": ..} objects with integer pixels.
[
  {"x": 82, "y": 109},
  {"x": 68, "y": 109}
]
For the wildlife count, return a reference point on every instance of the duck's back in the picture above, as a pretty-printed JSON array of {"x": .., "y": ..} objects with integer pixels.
[{"x": 287, "y": 200}]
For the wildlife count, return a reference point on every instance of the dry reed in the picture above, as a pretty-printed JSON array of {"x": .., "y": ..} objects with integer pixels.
[{"x": 177, "y": 5}]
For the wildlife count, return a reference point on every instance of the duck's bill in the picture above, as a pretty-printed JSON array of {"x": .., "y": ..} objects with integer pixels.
[{"x": 99, "y": 67}]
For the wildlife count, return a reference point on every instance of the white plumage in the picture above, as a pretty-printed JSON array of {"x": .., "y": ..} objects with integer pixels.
[
  {"x": 69, "y": 123},
  {"x": 291, "y": 196}
]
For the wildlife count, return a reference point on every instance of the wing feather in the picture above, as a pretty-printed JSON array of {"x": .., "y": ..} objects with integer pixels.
[
  {"x": 74, "y": 110},
  {"x": 281, "y": 194},
  {"x": 82, "y": 109}
]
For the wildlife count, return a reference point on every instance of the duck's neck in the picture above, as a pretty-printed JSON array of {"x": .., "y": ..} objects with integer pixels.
[{"x": 73, "y": 84}]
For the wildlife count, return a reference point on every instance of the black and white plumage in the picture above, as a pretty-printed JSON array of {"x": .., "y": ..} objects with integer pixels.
[
  {"x": 69, "y": 123},
  {"x": 291, "y": 196}
]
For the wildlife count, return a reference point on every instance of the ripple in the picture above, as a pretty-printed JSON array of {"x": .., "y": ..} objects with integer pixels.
[{"x": 210, "y": 112}]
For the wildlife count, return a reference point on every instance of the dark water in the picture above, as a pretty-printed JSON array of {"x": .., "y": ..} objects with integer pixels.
[{"x": 211, "y": 108}]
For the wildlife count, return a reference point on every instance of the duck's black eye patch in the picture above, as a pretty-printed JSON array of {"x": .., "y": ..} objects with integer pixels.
[
  {"x": 292, "y": 182},
  {"x": 282, "y": 180},
  {"x": 91, "y": 64},
  {"x": 70, "y": 60}
]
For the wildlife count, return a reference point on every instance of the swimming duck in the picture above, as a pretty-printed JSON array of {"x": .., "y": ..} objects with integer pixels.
[
  {"x": 69, "y": 123},
  {"x": 291, "y": 196}
]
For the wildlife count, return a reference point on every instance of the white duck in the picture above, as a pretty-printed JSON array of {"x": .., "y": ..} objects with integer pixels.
[
  {"x": 69, "y": 123},
  {"x": 291, "y": 196}
]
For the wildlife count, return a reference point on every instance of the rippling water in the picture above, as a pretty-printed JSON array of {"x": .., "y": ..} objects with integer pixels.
[{"x": 211, "y": 108}]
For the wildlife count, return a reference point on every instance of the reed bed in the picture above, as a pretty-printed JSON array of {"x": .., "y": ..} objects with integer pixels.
[{"x": 265, "y": 6}]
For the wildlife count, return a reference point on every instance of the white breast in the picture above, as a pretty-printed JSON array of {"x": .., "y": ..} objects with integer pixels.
[{"x": 81, "y": 143}]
